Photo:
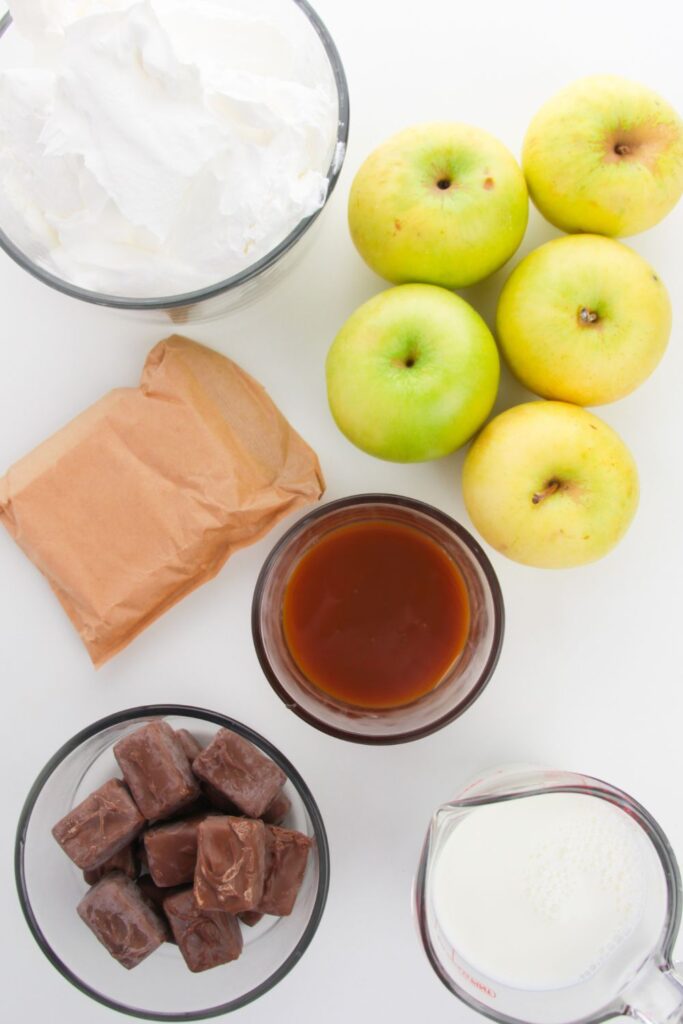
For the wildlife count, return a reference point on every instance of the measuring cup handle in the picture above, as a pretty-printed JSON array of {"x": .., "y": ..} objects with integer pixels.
[{"x": 657, "y": 996}]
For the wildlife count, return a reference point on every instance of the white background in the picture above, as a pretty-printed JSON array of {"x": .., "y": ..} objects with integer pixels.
[{"x": 590, "y": 672}]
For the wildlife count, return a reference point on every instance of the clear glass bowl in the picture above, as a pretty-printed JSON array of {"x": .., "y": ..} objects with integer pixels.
[
  {"x": 241, "y": 289},
  {"x": 464, "y": 680},
  {"x": 160, "y": 988}
]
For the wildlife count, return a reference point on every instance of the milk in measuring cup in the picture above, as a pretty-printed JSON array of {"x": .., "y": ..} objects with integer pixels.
[{"x": 538, "y": 892}]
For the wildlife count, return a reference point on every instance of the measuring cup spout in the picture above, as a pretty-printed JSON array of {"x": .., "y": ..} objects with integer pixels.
[
  {"x": 441, "y": 823},
  {"x": 656, "y": 995}
]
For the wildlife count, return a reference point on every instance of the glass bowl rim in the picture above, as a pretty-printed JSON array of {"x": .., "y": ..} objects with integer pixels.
[
  {"x": 463, "y": 535},
  {"x": 166, "y": 302},
  {"x": 187, "y": 711}
]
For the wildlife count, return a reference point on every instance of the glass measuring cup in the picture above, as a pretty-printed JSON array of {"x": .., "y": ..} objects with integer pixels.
[{"x": 636, "y": 979}]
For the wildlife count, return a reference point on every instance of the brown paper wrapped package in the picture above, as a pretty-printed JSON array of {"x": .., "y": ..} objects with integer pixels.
[{"x": 145, "y": 495}]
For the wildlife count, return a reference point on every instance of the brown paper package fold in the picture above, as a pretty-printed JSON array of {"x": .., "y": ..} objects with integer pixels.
[{"x": 145, "y": 495}]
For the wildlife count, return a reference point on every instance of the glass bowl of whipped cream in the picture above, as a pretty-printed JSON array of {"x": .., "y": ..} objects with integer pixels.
[{"x": 167, "y": 156}]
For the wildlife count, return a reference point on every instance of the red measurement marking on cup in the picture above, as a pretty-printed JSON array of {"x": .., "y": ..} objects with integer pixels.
[{"x": 479, "y": 985}]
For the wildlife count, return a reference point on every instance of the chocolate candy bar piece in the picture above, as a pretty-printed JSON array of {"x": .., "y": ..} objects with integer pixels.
[
  {"x": 250, "y": 917},
  {"x": 205, "y": 938},
  {"x": 220, "y": 802},
  {"x": 119, "y": 916},
  {"x": 231, "y": 864},
  {"x": 189, "y": 744},
  {"x": 125, "y": 860},
  {"x": 277, "y": 810},
  {"x": 240, "y": 772},
  {"x": 99, "y": 826},
  {"x": 286, "y": 856},
  {"x": 172, "y": 851},
  {"x": 157, "y": 770}
]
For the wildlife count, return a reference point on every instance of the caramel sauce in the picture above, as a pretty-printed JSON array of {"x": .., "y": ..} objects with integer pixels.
[{"x": 375, "y": 613}]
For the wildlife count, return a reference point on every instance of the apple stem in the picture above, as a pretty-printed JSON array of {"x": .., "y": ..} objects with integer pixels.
[
  {"x": 587, "y": 316},
  {"x": 550, "y": 488},
  {"x": 622, "y": 149}
]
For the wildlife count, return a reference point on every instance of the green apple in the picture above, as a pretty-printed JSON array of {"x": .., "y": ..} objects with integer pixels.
[
  {"x": 583, "y": 319},
  {"x": 605, "y": 155},
  {"x": 441, "y": 203},
  {"x": 549, "y": 484},
  {"x": 412, "y": 374}
]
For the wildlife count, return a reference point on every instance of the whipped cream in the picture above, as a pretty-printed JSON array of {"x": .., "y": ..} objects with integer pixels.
[{"x": 157, "y": 147}]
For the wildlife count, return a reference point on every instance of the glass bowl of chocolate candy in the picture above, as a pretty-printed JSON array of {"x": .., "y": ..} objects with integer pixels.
[{"x": 180, "y": 845}]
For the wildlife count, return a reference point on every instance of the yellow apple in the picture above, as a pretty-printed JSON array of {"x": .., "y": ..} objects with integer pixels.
[
  {"x": 583, "y": 319},
  {"x": 440, "y": 203},
  {"x": 548, "y": 484},
  {"x": 605, "y": 155}
]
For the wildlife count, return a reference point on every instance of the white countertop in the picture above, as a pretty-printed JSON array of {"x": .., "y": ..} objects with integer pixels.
[{"x": 589, "y": 676}]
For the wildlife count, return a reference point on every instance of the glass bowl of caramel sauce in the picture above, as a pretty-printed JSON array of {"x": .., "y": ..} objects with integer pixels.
[{"x": 378, "y": 619}]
